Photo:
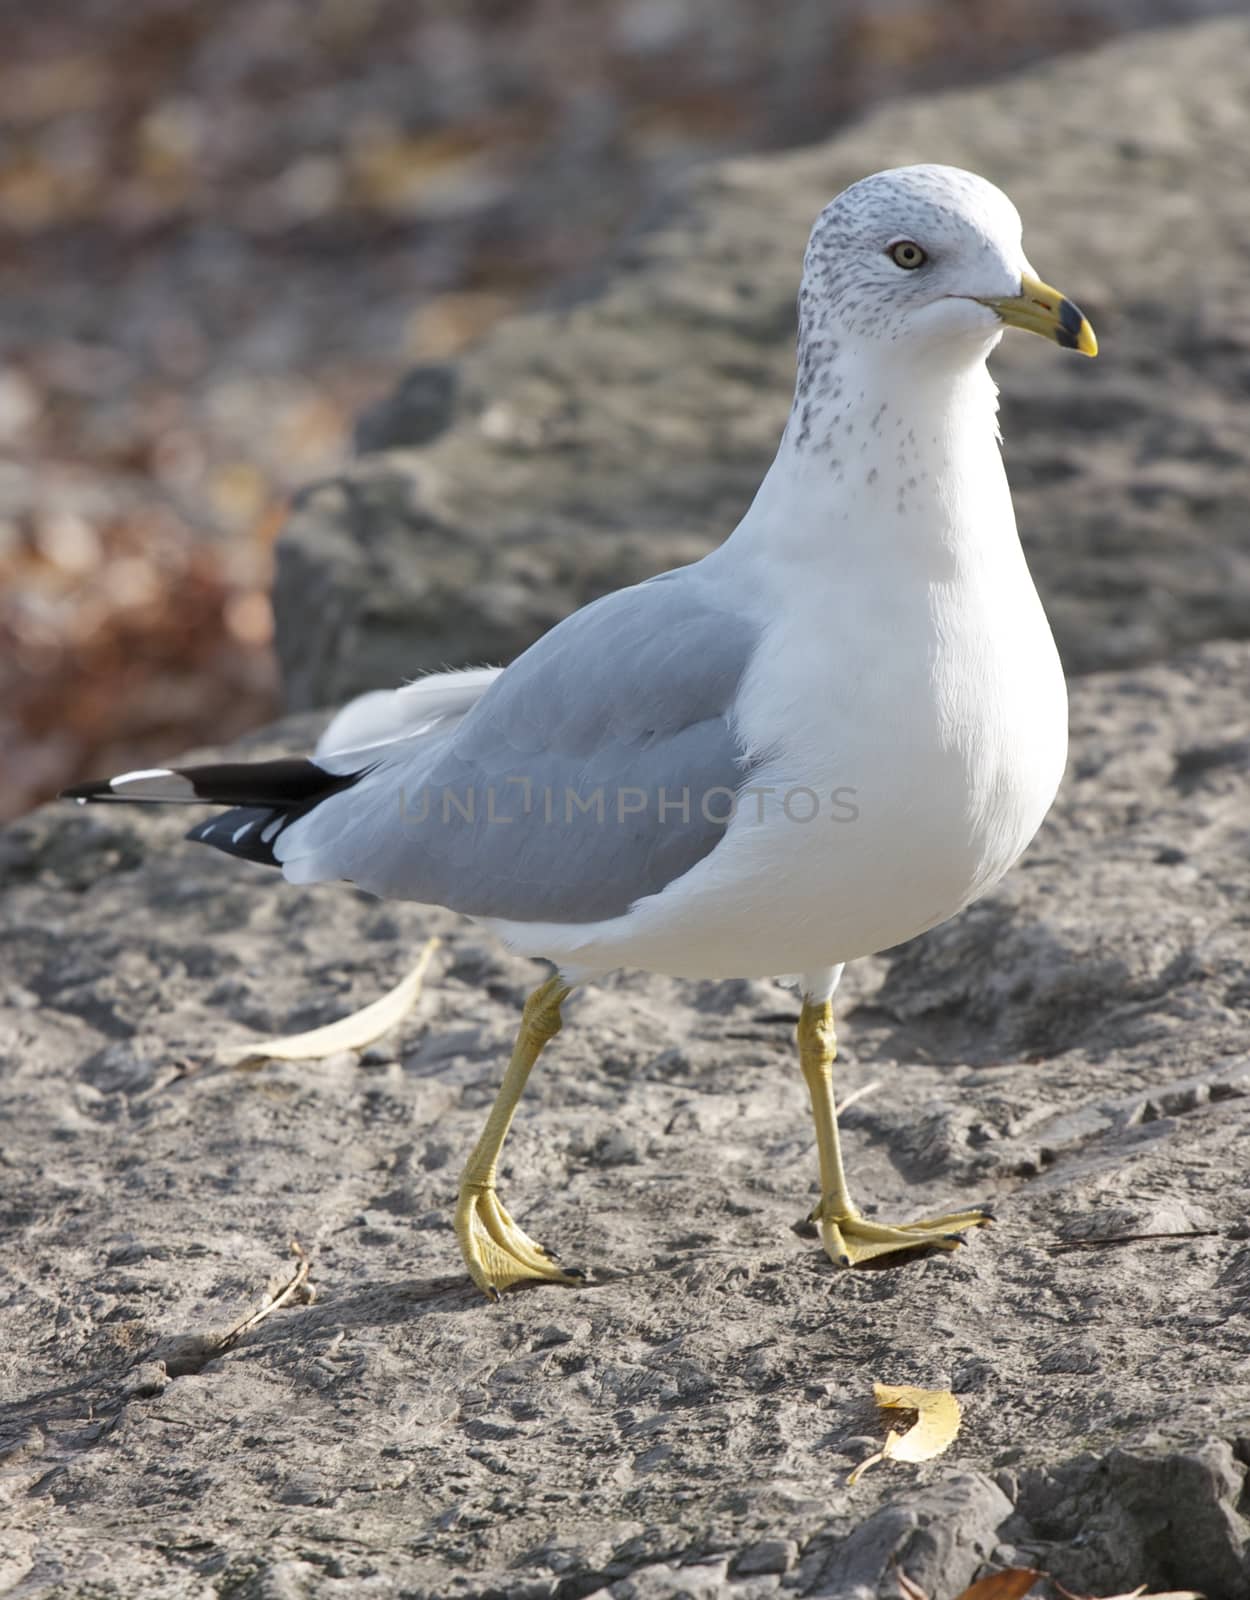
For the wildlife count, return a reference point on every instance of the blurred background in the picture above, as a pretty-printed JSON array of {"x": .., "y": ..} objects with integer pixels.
[{"x": 227, "y": 226}]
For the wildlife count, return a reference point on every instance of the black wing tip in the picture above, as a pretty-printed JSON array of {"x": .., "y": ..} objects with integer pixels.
[
  {"x": 241, "y": 832},
  {"x": 285, "y": 784},
  {"x": 82, "y": 792},
  {"x": 265, "y": 798}
]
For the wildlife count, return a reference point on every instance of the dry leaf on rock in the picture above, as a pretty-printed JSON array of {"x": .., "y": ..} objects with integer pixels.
[
  {"x": 1133, "y": 1594},
  {"x": 1010, "y": 1584},
  {"x": 1013, "y": 1583},
  {"x": 937, "y": 1423},
  {"x": 353, "y": 1032}
]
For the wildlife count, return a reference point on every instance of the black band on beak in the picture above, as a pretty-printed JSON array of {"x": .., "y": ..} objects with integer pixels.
[{"x": 1071, "y": 321}]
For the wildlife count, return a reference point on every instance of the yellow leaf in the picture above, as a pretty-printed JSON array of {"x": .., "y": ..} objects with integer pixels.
[{"x": 937, "y": 1423}]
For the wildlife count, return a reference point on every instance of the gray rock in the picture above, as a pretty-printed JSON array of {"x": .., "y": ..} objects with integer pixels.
[
  {"x": 420, "y": 409},
  {"x": 596, "y": 444},
  {"x": 939, "y": 1536},
  {"x": 765, "y": 1556},
  {"x": 1175, "y": 1513},
  {"x": 1073, "y": 1048},
  {"x": 696, "y": 1409}
]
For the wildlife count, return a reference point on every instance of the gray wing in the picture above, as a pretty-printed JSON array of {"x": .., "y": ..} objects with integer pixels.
[{"x": 596, "y": 769}]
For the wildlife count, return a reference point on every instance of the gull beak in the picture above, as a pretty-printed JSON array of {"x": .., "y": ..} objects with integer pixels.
[{"x": 1040, "y": 309}]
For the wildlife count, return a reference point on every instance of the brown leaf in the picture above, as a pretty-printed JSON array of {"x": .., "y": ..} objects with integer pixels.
[{"x": 1009, "y": 1584}]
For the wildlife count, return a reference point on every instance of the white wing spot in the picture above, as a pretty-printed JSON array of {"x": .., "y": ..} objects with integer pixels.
[{"x": 138, "y": 777}]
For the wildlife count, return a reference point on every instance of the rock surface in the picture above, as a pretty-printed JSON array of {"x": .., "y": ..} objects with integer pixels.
[{"x": 1072, "y": 1048}]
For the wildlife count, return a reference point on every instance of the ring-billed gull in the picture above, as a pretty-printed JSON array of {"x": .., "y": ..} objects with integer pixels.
[{"x": 830, "y": 734}]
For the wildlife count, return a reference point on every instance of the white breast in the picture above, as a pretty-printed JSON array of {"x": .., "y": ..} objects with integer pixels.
[{"x": 906, "y": 707}]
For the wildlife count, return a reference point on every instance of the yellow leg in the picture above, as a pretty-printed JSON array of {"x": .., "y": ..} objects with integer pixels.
[
  {"x": 496, "y": 1251},
  {"x": 849, "y": 1238}
]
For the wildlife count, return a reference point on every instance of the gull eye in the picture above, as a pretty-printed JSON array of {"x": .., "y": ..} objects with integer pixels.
[{"x": 906, "y": 254}]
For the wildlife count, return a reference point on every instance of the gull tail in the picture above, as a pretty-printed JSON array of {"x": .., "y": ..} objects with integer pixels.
[{"x": 265, "y": 797}]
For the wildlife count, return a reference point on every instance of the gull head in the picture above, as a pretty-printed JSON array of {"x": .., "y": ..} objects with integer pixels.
[{"x": 927, "y": 259}]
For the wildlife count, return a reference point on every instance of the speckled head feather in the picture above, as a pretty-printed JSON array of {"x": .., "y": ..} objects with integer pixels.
[{"x": 854, "y": 290}]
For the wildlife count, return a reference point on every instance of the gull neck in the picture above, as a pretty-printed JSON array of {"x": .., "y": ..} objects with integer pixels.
[{"x": 884, "y": 453}]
